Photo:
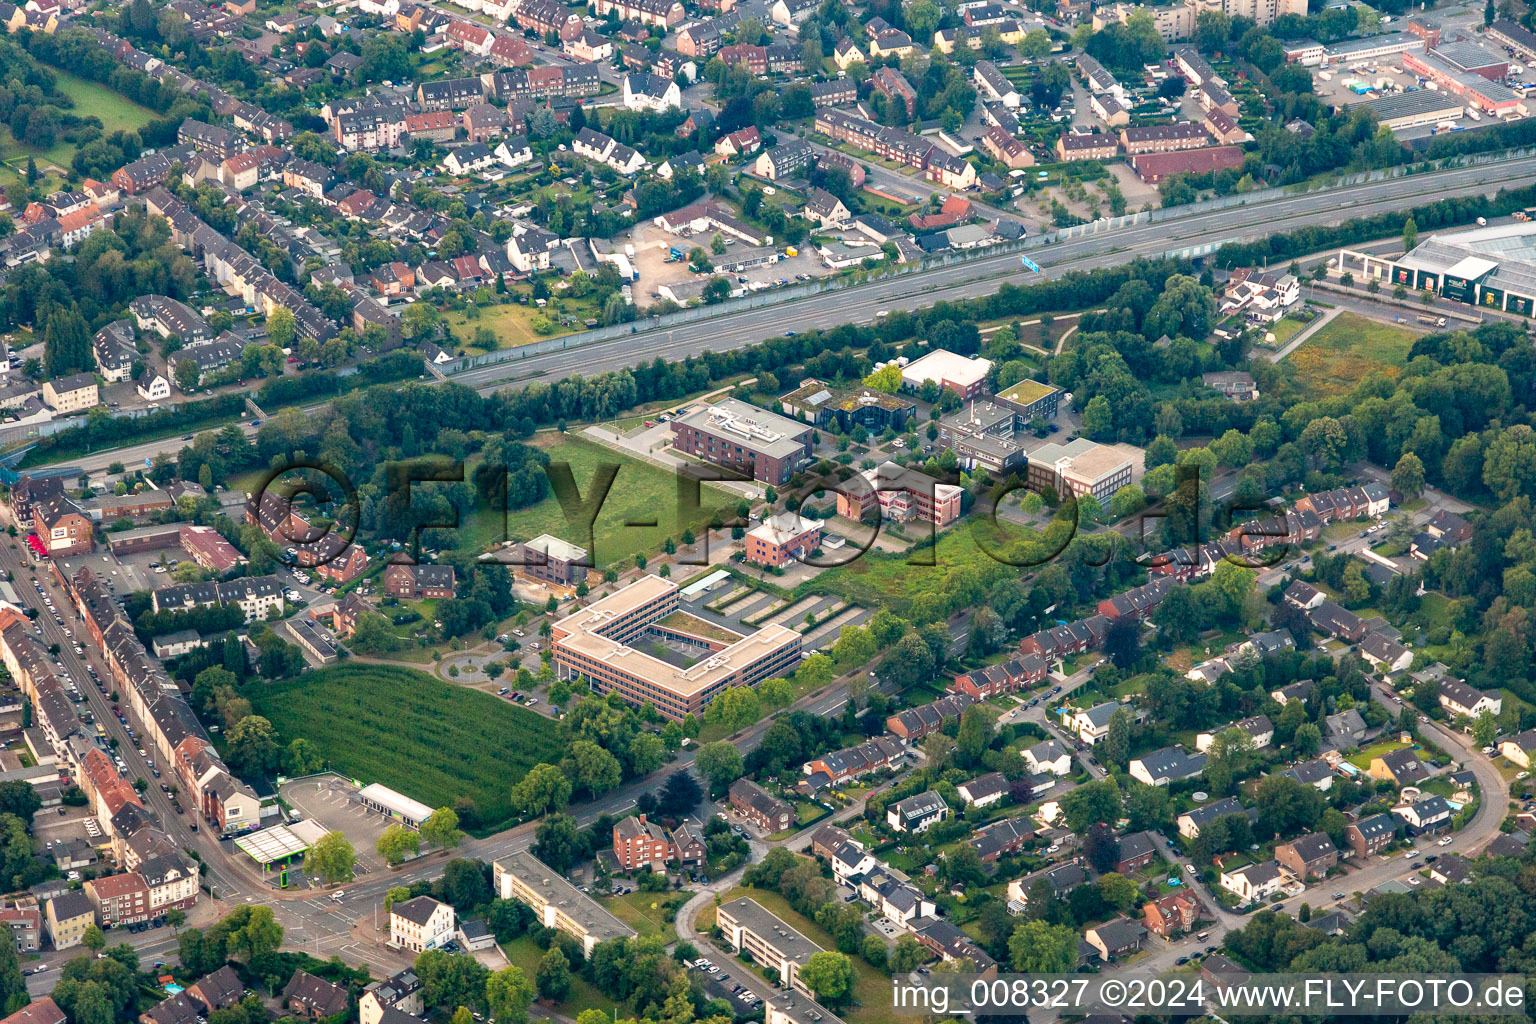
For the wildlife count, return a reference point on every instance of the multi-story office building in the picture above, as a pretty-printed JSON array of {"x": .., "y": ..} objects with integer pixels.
[{"x": 600, "y": 643}]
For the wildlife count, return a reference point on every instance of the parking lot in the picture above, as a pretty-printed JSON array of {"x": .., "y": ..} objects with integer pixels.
[
  {"x": 719, "y": 984},
  {"x": 333, "y": 803}
]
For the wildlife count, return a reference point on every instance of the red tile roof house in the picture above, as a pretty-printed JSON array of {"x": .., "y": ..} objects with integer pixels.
[
  {"x": 39, "y": 1011},
  {"x": 1171, "y": 915},
  {"x": 307, "y": 996},
  {"x": 638, "y": 843}
]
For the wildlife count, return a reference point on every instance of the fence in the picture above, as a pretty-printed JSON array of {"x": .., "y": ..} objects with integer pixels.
[{"x": 758, "y": 300}]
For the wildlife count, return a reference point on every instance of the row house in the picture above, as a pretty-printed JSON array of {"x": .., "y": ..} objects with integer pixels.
[
  {"x": 453, "y": 94},
  {"x": 1365, "y": 501},
  {"x": 604, "y": 149},
  {"x": 893, "y": 85},
  {"x": 1138, "y": 602},
  {"x": 753, "y": 58},
  {"x": 471, "y": 38},
  {"x": 434, "y": 125},
  {"x": 914, "y": 724},
  {"x": 851, "y": 762},
  {"x": 1016, "y": 673},
  {"x": 760, "y": 807},
  {"x": 548, "y": 17},
  {"x": 1058, "y": 642},
  {"x": 119, "y": 899},
  {"x": 664, "y": 14},
  {"x": 1006, "y": 149},
  {"x": 837, "y": 92},
  {"x": 892, "y": 143},
  {"x": 1002, "y": 839},
  {"x": 370, "y": 130},
  {"x": 1161, "y": 138},
  {"x": 639, "y": 843}
]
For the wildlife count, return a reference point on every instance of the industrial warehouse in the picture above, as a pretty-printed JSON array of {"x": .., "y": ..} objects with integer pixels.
[{"x": 1492, "y": 267}]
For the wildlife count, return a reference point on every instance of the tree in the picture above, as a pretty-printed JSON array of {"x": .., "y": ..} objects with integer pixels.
[
  {"x": 441, "y": 828},
  {"x": 830, "y": 975},
  {"x": 1484, "y": 729},
  {"x": 716, "y": 290},
  {"x": 257, "y": 933},
  {"x": 397, "y": 843},
  {"x": 281, "y": 327},
  {"x": 545, "y": 788},
  {"x": 1117, "y": 738},
  {"x": 1122, "y": 642},
  {"x": 774, "y": 693},
  {"x": 508, "y": 994},
  {"x": 1410, "y": 234},
  {"x": 94, "y": 939},
  {"x": 331, "y": 859},
  {"x": 1408, "y": 475},
  {"x": 593, "y": 768},
  {"x": 554, "y": 975},
  {"x": 558, "y": 842},
  {"x": 735, "y": 708},
  {"x": 1040, "y": 948},
  {"x": 1091, "y": 802},
  {"x": 975, "y": 733},
  {"x": 253, "y": 749},
  {"x": 719, "y": 762},
  {"x": 905, "y": 956},
  {"x": 1098, "y": 419}
]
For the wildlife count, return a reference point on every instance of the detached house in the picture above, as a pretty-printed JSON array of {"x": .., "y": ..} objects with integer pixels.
[
  {"x": 1254, "y": 882},
  {"x": 917, "y": 813},
  {"x": 1309, "y": 856},
  {"x": 420, "y": 924}
]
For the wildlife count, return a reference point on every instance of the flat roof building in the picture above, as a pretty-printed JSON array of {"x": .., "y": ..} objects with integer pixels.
[
  {"x": 734, "y": 434},
  {"x": 599, "y": 642},
  {"x": 1079, "y": 467},
  {"x": 748, "y": 928},
  {"x": 555, "y": 902},
  {"x": 963, "y": 375}
]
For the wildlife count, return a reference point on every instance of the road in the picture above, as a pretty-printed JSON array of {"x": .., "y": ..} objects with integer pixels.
[
  {"x": 965, "y": 280},
  {"x": 982, "y": 276}
]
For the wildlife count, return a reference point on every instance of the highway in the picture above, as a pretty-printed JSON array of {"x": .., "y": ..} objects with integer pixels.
[{"x": 982, "y": 276}]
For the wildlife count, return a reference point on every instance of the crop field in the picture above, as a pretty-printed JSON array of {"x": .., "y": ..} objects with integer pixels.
[{"x": 416, "y": 734}]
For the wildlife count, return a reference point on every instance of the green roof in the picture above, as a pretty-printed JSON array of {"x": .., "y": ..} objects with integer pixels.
[{"x": 1026, "y": 392}]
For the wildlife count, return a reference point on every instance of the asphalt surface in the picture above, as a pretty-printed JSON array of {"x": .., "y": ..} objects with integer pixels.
[
  {"x": 982, "y": 276},
  {"x": 965, "y": 280}
]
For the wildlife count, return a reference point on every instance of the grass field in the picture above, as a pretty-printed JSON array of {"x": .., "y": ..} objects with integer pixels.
[
  {"x": 1345, "y": 350},
  {"x": 971, "y": 554},
  {"x": 91, "y": 100},
  {"x": 513, "y": 325},
  {"x": 419, "y": 735},
  {"x": 524, "y": 952},
  {"x": 640, "y": 493},
  {"x": 649, "y": 913}
]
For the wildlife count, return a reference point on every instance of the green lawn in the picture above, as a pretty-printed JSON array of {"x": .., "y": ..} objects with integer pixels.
[
  {"x": 641, "y": 493},
  {"x": 1344, "y": 351},
  {"x": 648, "y": 913},
  {"x": 524, "y": 952},
  {"x": 91, "y": 100},
  {"x": 972, "y": 553},
  {"x": 1363, "y": 759},
  {"x": 416, "y": 734},
  {"x": 512, "y": 323}
]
